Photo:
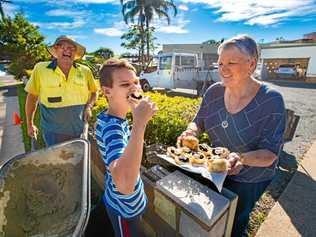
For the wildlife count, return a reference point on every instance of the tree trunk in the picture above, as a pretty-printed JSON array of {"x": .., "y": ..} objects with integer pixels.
[
  {"x": 147, "y": 40},
  {"x": 142, "y": 44}
]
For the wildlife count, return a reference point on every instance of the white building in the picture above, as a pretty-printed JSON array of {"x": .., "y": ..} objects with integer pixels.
[{"x": 301, "y": 54}]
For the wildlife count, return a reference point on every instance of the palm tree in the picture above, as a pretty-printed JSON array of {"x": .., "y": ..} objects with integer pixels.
[
  {"x": 161, "y": 8},
  {"x": 145, "y": 10},
  {"x": 1, "y": 8},
  {"x": 130, "y": 10}
]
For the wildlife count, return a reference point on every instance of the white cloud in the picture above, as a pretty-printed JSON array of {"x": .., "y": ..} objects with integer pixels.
[
  {"x": 112, "y": 32},
  {"x": 116, "y": 30},
  {"x": 96, "y": 1},
  {"x": 172, "y": 29},
  {"x": 69, "y": 13},
  {"x": 183, "y": 7},
  {"x": 9, "y": 9},
  {"x": 60, "y": 25},
  {"x": 252, "y": 12}
]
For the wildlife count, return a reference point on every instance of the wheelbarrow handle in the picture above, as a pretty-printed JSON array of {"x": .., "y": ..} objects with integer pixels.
[{"x": 84, "y": 134}]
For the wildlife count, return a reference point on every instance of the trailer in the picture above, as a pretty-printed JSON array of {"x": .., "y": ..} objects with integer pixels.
[{"x": 179, "y": 70}]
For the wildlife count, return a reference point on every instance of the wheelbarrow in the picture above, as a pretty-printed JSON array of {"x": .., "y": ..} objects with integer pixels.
[{"x": 47, "y": 192}]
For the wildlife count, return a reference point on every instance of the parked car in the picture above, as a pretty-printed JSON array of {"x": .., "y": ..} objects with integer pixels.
[{"x": 287, "y": 71}]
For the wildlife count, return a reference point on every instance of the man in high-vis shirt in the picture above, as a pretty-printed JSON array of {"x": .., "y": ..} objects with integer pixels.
[{"x": 65, "y": 92}]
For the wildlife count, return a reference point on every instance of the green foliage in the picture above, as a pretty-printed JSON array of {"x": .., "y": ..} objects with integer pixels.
[
  {"x": 93, "y": 67},
  {"x": 22, "y": 43},
  {"x": 169, "y": 122},
  {"x": 144, "y": 12},
  {"x": 104, "y": 53},
  {"x": 26, "y": 139}
]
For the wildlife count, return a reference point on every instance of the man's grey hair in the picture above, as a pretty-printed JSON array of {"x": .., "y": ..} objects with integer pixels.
[{"x": 244, "y": 43}]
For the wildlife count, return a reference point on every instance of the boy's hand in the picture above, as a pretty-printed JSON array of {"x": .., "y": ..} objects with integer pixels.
[{"x": 144, "y": 110}]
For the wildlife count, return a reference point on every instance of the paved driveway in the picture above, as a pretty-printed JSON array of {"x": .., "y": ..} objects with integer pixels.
[{"x": 300, "y": 97}]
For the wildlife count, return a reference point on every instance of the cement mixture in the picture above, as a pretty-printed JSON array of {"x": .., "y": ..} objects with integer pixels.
[{"x": 41, "y": 199}]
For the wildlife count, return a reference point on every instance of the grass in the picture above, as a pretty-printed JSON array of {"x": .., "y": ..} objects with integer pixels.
[{"x": 26, "y": 139}]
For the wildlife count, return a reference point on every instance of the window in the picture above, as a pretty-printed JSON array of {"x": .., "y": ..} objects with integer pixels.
[
  {"x": 165, "y": 63},
  {"x": 177, "y": 60},
  {"x": 188, "y": 61}
]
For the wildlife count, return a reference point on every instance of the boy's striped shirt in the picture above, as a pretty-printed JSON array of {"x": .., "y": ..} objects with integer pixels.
[{"x": 112, "y": 135}]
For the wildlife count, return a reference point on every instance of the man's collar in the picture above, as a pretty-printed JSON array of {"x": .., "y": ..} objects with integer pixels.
[{"x": 53, "y": 64}]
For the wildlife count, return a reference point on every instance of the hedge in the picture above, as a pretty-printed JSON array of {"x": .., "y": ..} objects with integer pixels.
[{"x": 169, "y": 122}]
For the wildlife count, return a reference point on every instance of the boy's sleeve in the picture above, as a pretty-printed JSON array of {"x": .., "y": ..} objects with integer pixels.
[
  {"x": 114, "y": 144},
  {"x": 33, "y": 84}
]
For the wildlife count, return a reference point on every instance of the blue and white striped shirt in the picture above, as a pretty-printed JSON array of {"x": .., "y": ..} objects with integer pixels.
[
  {"x": 112, "y": 135},
  {"x": 260, "y": 125}
]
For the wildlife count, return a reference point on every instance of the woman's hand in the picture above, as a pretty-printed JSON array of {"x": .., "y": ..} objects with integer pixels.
[{"x": 234, "y": 164}]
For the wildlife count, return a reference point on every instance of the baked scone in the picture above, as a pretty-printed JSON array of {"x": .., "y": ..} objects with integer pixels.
[
  {"x": 185, "y": 149},
  {"x": 223, "y": 152},
  {"x": 205, "y": 149},
  {"x": 198, "y": 159},
  {"x": 190, "y": 142},
  {"x": 173, "y": 152},
  {"x": 217, "y": 165},
  {"x": 183, "y": 159}
]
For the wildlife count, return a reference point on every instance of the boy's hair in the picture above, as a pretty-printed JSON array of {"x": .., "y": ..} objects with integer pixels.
[{"x": 112, "y": 64}]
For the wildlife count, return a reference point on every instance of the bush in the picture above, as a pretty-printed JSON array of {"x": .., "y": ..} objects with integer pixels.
[{"x": 169, "y": 122}]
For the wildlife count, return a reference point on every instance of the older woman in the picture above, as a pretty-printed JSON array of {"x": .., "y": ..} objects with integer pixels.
[{"x": 246, "y": 116}]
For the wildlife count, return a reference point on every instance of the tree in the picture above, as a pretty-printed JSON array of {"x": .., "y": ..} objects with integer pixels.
[
  {"x": 1, "y": 8},
  {"x": 132, "y": 40},
  {"x": 144, "y": 11},
  {"x": 104, "y": 53},
  {"x": 161, "y": 8},
  {"x": 213, "y": 42},
  {"x": 22, "y": 43}
]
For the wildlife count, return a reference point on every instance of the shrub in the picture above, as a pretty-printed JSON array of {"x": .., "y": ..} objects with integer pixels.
[{"x": 169, "y": 122}]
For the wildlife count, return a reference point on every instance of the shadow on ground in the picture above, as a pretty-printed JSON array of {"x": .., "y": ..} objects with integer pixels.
[{"x": 300, "y": 205}]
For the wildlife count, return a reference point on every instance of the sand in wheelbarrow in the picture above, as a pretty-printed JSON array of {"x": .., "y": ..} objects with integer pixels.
[{"x": 41, "y": 198}]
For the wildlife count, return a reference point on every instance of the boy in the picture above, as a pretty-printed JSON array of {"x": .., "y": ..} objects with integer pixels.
[{"x": 122, "y": 149}]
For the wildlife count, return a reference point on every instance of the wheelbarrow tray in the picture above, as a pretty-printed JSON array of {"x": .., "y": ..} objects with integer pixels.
[{"x": 46, "y": 192}]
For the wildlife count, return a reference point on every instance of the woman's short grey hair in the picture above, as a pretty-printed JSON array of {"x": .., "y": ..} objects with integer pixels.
[{"x": 244, "y": 43}]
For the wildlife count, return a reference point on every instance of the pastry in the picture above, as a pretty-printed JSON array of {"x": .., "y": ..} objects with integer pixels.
[
  {"x": 190, "y": 142},
  {"x": 173, "y": 152},
  {"x": 217, "y": 165},
  {"x": 221, "y": 151},
  {"x": 205, "y": 149},
  {"x": 198, "y": 159},
  {"x": 183, "y": 159}
]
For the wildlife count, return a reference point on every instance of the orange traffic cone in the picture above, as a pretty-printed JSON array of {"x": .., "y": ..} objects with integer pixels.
[{"x": 16, "y": 119}]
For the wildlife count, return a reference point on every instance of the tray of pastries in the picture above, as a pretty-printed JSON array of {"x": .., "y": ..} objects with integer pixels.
[{"x": 210, "y": 162}]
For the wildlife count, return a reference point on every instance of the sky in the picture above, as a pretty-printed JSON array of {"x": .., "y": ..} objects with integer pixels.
[{"x": 99, "y": 23}]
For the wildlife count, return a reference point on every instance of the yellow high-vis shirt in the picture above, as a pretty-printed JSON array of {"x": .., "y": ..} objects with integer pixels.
[{"x": 54, "y": 90}]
